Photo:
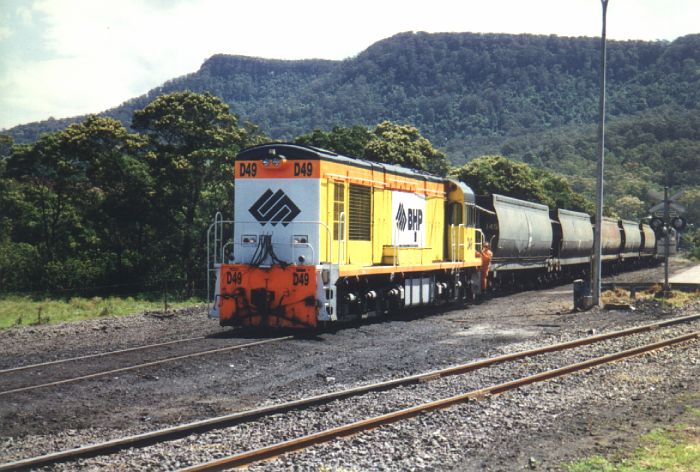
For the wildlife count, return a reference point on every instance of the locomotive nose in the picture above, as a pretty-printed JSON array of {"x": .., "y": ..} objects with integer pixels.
[{"x": 275, "y": 297}]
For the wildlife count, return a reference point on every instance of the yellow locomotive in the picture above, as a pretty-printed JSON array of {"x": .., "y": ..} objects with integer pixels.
[{"x": 319, "y": 237}]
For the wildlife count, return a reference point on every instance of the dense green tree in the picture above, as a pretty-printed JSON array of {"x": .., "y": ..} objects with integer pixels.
[
  {"x": 6, "y": 143},
  {"x": 53, "y": 183},
  {"x": 18, "y": 260},
  {"x": 629, "y": 207},
  {"x": 345, "y": 141},
  {"x": 120, "y": 189},
  {"x": 5, "y": 188},
  {"x": 691, "y": 201},
  {"x": 559, "y": 191},
  {"x": 497, "y": 174},
  {"x": 75, "y": 197},
  {"x": 388, "y": 142},
  {"x": 192, "y": 140},
  {"x": 404, "y": 145}
]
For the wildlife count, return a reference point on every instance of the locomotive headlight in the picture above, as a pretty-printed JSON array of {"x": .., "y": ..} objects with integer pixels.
[
  {"x": 266, "y": 162},
  {"x": 279, "y": 161}
]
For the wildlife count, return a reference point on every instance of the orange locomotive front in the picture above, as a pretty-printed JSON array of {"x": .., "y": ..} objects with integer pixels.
[{"x": 274, "y": 296}]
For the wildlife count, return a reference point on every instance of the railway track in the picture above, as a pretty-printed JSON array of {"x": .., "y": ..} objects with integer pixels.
[
  {"x": 297, "y": 444},
  {"x": 96, "y": 355},
  {"x": 22, "y": 369},
  {"x": 184, "y": 430}
]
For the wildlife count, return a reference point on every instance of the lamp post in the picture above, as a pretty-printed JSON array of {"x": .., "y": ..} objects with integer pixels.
[{"x": 597, "y": 237}]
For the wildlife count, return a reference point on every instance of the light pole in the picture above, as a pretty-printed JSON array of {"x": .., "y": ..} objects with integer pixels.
[{"x": 597, "y": 236}]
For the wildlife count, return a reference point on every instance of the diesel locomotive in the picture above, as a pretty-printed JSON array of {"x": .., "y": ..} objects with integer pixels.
[{"x": 319, "y": 238}]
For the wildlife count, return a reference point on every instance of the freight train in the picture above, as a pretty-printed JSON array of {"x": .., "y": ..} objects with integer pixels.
[{"x": 320, "y": 238}]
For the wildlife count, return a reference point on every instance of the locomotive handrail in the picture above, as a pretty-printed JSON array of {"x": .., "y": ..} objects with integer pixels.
[
  {"x": 294, "y": 245},
  {"x": 479, "y": 242},
  {"x": 396, "y": 245},
  {"x": 341, "y": 239},
  {"x": 457, "y": 242},
  {"x": 223, "y": 248},
  {"x": 218, "y": 250}
]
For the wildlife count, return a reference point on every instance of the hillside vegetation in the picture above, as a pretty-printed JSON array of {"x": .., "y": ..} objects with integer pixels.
[{"x": 462, "y": 91}]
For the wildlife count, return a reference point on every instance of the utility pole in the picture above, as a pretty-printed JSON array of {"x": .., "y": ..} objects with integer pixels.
[
  {"x": 667, "y": 237},
  {"x": 597, "y": 236}
]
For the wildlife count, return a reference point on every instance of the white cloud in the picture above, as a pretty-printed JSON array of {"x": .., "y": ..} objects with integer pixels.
[{"x": 5, "y": 33}]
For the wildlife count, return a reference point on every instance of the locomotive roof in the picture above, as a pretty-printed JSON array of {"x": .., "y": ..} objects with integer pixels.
[{"x": 301, "y": 152}]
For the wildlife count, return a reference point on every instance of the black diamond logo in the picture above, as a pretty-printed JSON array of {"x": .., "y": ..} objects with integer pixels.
[
  {"x": 401, "y": 218},
  {"x": 274, "y": 208}
]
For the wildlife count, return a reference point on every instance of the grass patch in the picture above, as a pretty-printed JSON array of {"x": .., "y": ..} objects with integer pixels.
[
  {"x": 28, "y": 311},
  {"x": 677, "y": 449},
  {"x": 676, "y": 298}
]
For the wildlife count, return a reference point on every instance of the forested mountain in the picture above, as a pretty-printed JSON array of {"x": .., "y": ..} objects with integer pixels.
[{"x": 465, "y": 92}]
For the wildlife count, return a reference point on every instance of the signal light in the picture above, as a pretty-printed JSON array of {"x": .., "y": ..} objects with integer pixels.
[
  {"x": 657, "y": 224},
  {"x": 678, "y": 223}
]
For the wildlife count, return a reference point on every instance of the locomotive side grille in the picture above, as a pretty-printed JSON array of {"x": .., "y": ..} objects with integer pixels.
[{"x": 360, "y": 213}]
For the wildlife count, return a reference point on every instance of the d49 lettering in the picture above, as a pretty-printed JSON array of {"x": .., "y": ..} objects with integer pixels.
[
  {"x": 234, "y": 278},
  {"x": 247, "y": 170},
  {"x": 305, "y": 169},
  {"x": 300, "y": 278}
]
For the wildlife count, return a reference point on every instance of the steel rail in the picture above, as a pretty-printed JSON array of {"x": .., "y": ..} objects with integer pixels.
[
  {"x": 250, "y": 457},
  {"x": 183, "y": 430},
  {"x": 99, "y": 354},
  {"x": 145, "y": 364}
]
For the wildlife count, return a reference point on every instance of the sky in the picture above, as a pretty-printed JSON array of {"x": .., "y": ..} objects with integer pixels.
[{"x": 61, "y": 58}]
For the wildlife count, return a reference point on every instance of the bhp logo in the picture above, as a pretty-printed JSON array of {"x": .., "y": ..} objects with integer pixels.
[
  {"x": 274, "y": 208},
  {"x": 401, "y": 218},
  {"x": 413, "y": 218}
]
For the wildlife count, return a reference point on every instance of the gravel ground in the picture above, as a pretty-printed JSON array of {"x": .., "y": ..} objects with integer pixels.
[
  {"x": 585, "y": 413},
  {"x": 43, "y": 343}
]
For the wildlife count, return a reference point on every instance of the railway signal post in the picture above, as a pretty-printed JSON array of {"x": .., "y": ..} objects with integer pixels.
[{"x": 665, "y": 217}]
